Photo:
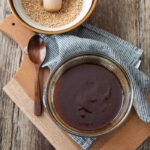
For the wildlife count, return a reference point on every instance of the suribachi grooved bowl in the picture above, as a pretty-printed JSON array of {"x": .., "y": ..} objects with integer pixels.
[{"x": 18, "y": 11}]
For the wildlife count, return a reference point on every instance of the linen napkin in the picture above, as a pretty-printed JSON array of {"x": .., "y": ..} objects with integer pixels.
[{"x": 87, "y": 39}]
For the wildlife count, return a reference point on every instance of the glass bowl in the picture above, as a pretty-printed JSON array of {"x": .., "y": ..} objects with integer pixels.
[{"x": 111, "y": 65}]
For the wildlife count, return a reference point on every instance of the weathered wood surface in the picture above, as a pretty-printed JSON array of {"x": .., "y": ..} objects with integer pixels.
[{"x": 129, "y": 19}]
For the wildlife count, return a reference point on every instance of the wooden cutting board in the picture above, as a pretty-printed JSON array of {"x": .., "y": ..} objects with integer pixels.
[{"x": 21, "y": 90}]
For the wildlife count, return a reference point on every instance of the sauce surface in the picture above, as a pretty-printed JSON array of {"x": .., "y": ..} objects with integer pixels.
[{"x": 88, "y": 97}]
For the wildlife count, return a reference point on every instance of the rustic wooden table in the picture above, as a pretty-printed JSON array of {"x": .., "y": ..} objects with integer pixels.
[{"x": 128, "y": 19}]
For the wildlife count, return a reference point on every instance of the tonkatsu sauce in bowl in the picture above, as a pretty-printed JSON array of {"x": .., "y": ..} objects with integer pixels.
[{"x": 89, "y": 95}]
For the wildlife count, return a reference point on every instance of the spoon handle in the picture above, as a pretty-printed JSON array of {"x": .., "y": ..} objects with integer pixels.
[{"x": 37, "y": 101}]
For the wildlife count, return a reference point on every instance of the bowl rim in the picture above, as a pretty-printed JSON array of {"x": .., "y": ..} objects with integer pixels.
[
  {"x": 82, "y": 134},
  {"x": 10, "y": 2}
]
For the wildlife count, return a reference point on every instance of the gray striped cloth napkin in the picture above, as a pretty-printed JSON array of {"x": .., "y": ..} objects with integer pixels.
[{"x": 87, "y": 38}]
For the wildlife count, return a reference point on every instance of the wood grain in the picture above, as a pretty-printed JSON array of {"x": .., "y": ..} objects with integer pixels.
[
  {"x": 129, "y": 19},
  {"x": 16, "y": 30},
  {"x": 16, "y": 131}
]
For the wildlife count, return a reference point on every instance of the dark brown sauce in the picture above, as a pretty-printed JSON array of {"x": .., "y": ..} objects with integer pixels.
[{"x": 88, "y": 97}]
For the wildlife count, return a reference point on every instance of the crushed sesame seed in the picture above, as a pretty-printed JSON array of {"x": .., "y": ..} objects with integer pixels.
[{"x": 70, "y": 10}]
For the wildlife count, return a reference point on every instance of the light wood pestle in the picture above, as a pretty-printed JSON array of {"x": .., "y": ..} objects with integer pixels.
[{"x": 52, "y": 5}]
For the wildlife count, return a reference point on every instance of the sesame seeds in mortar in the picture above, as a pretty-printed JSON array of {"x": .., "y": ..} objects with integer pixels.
[{"x": 70, "y": 10}]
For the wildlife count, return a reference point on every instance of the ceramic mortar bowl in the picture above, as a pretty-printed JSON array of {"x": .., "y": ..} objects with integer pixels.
[
  {"x": 19, "y": 12},
  {"x": 106, "y": 62}
]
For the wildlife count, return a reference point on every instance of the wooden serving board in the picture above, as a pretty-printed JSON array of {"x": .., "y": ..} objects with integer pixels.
[{"x": 21, "y": 90}]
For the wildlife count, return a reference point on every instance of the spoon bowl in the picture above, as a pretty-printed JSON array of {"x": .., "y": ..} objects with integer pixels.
[{"x": 37, "y": 50}]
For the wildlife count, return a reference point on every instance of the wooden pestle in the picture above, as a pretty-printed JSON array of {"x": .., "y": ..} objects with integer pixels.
[{"x": 52, "y": 5}]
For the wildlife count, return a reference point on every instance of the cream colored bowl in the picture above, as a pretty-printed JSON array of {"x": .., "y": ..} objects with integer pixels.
[{"x": 19, "y": 12}]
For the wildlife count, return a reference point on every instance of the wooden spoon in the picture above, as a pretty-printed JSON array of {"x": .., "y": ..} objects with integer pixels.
[{"x": 37, "y": 53}]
